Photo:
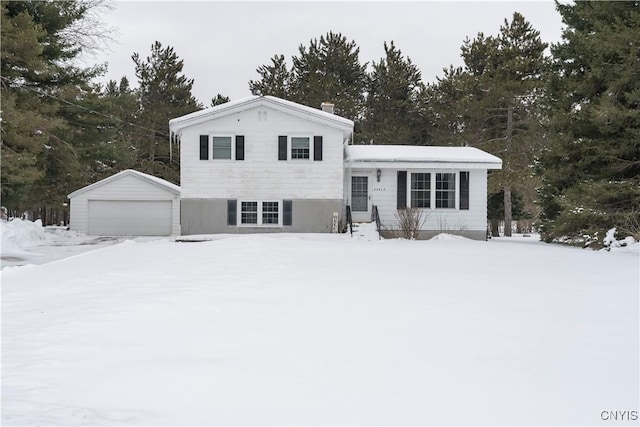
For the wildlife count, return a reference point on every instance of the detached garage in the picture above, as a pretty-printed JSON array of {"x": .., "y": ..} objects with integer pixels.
[{"x": 129, "y": 203}]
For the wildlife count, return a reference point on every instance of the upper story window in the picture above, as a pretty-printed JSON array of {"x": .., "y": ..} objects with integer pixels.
[
  {"x": 446, "y": 190},
  {"x": 421, "y": 190},
  {"x": 300, "y": 147},
  {"x": 221, "y": 147}
]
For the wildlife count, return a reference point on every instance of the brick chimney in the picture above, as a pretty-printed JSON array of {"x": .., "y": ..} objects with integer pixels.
[{"x": 327, "y": 107}]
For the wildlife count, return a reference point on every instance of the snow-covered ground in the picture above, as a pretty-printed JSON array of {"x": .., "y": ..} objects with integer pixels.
[{"x": 323, "y": 330}]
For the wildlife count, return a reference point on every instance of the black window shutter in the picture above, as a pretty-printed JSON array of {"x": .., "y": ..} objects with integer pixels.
[
  {"x": 464, "y": 190},
  {"x": 402, "y": 189},
  {"x": 287, "y": 212},
  {"x": 282, "y": 147},
  {"x": 317, "y": 148},
  {"x": 232, "y": 206},
  {"x": 239, "y": 147},
  {"x": 204, "y": 147}
]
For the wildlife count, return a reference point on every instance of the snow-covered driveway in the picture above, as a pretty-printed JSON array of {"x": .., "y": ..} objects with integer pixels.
[{"x": 308, "y": 329}]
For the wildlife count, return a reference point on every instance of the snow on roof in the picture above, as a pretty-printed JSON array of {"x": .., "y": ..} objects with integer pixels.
[
  {"x": 146, "y": 177},
  {"x": 422, "y": 154},
  {"x": 290, "y": 107}
]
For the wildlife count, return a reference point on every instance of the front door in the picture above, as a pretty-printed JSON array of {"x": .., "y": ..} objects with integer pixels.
[{"x": 360, "y": 199}]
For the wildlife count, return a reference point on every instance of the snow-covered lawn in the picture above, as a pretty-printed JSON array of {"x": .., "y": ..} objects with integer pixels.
[{"x": 322, "y": 330}]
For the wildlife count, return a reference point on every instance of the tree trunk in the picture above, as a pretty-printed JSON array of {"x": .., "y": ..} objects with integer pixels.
[
  {"x": 495, "y": 228},
  {"x": 507, "y": 211},
  {"x": 507, "y": 188}
]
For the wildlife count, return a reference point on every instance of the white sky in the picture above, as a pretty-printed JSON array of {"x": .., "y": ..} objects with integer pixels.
[{"x": 222, "y": 43}]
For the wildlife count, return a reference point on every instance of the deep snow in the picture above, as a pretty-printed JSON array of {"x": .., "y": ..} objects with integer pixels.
[{"x": 322, "y": 329}]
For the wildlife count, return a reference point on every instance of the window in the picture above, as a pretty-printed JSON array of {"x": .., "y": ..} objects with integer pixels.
[
  {"x": 249, "y": 213},
  {"x": 260, "y": 213},
  {"x": 446, "y": 190},
  {"x": 299, "y": 147},
  {"x": 269, "y": 212},
  {"x": 420, "y": 190},
  {"x": 222, "y": 147}
]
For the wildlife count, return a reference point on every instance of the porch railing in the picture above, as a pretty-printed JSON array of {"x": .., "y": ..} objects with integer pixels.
[{"x": 376, "y": 217}]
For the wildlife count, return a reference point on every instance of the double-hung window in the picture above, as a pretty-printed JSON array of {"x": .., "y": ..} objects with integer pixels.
[
  {"x": 221, "y": 147},
  {"x": 420, "y": 190},
  {"x": 249, "y": 213},
  {"x": 446, "y": 190},
  {"x": 260, "y": 213},
  {"x": 300, "y": 147},
  {"x": 270, "y": 212},
  {"x": 443, "y": 196}
]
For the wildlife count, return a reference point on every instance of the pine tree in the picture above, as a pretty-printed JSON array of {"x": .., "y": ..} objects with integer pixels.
[
  {"x": 493, "y": 103},
  {"x": 164, "y": 93},
  {"x": 591, "y": 168},
  {"x": 39, "y": 47},
  {"x": 392, "y": 114},
  {"x": 275, "y": 79},
  {"x": 219, "y": 99},
  {"x": 329, "y": 70}
]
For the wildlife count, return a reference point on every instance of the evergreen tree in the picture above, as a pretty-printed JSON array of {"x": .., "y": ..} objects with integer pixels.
[
  {"x": 591, "y": 167},
  {"x": 39, "y": 47},
  {"x": 23, "y": 118},
  {"x": 164, "y": 93},
  {"x": 442, "y": 102},
  {"x": 275, "y": 79},
  {"x": 392, "y": 114},
  {"x": 493, "y": 103},
  {"x": 219, "y": 99},
  {"x": 329, "y": 70},
  {"x": 107, "y": 120}
]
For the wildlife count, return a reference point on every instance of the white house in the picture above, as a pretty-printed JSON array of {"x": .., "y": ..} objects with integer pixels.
[
  {"x": 447, "y": 184},
  {"x": 264, "y": 164},
  {"x": 261, "y": 164},
  {"x": 129, "y": 203}
]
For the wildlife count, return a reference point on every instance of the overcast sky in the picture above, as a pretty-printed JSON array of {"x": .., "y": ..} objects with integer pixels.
[{"x": 222, "y": 43}]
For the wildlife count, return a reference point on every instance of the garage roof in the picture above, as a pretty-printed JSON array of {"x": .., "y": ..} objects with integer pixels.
[{"x": 143, "y": 176}]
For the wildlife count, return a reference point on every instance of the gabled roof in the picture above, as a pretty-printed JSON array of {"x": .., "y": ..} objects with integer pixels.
[
  {"x": 421, "y": 154},
  {"x": 159, "y": 182},
  {"x": 288, "y": 107}
]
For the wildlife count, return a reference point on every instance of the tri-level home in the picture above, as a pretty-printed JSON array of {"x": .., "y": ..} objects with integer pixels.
[
  {"x": 264, "y": 164},
  {"x": 261, "y": 164}
]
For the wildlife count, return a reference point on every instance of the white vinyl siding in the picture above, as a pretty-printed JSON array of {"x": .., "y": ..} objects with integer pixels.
[
  {"x": 383, "y": 194},
  {"x": 261, "y": 176}
]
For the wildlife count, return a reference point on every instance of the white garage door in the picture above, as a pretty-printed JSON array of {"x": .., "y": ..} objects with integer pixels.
[{"x": 130, "y": 217}]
